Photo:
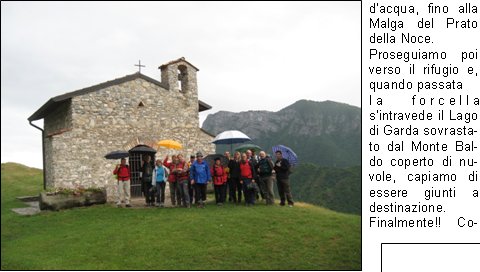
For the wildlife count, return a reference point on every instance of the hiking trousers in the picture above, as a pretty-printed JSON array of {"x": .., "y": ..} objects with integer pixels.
[
  {"x": 248, "y": 193},
  {"x": 284, "y": 191},
  {"x": 123, "y": 191},
  {"x": 184, "y": 193},
  {"x": 235, "y": 187},
  {"x": 220, "y": 193},
  {"x": 175, "y": 193},
  {"x": 267, "y": 184},
  {"x": 148, "y": 192},
  {"x": 200, "y": 193},
  {"x": 160, "y": 192}
]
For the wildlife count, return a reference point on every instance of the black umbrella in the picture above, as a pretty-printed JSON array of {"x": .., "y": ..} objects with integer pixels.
[
  {"x": 114, "y": 155},
  {"x": 210, "y": 159},
  {"x": 142, "y": 149}
]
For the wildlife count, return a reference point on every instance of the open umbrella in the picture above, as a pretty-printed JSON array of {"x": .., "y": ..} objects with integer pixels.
[
  {"x": 231, "y": 137},
  {"x": 210, "y": 159},
  {"x": 144, "y": 149},
  {"x": 287, "y": 153},
  {"x": 246, "y": 147},
  {"x": 118, "y": 154},
  {"x": 171, "y": 144}
]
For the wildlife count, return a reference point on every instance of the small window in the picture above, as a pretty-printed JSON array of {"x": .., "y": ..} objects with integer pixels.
[{"x": 141, "y": 104}]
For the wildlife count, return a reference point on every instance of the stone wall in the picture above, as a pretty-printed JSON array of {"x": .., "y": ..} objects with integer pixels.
[
  {"x": 57, "y": 122},
  {"x": 111, "y": 119}
]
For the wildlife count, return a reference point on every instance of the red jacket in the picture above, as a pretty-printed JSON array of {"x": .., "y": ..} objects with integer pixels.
[
  {"x": 172, "y": 177},
  {"x": 184, "y": 175},
  {"x": 122, "y": 172},
  {"x": 246, "y": 170},
  {"x": 219, "y": 175}
]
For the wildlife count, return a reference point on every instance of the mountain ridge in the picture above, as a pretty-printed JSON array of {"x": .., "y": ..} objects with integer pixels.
[{"x": 312, "y": 129}]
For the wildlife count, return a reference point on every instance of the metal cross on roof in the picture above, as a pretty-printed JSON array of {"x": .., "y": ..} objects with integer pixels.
[{"x": 139, "y": 66}]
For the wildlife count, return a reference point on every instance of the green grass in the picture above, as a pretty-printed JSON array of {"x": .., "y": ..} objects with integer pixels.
[{"x": 103, "y": 237}]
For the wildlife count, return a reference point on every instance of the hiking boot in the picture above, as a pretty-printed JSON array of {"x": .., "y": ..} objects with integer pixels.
[
  {"x": 128, "y": 206},
  {"x": 282, "y": 203}
]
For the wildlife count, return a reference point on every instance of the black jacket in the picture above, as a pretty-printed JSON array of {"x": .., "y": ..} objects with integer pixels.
[
  {"x": 282, "y": 171},
  {"x": 234, "y": 167}
]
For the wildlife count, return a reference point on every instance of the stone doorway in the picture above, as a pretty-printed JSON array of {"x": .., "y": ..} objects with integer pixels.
[{"x": 135, "y": 160}]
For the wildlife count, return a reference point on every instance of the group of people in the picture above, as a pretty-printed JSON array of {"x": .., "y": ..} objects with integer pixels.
[{"x": 244, "y": 174}]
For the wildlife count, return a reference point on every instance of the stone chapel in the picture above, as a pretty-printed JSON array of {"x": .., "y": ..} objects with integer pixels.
[{"x": 80, "y": 127}]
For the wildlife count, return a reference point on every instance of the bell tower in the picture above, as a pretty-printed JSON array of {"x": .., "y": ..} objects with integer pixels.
[{"x": 180, "y": 76}]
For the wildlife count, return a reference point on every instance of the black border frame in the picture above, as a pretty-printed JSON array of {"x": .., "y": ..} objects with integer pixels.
[{"x": 381, "y": 248}]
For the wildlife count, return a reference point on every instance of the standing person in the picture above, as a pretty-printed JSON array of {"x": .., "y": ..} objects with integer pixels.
[
  {"x": 264, "y": 170},
  {"x": 190, "y": 186},
  {"x": 175, "y": 197},
  {"x": 247, "y": 179},
  {"x": 234, "y": 172},
  {"x": 282, "y": 167},
  {"x": 159, "y": 177},
  {"x": 147, "y": 170},
  {"x": 250, "y": 157},
  {"x": 181, "y": 169},
  {"x": 200, "y": 176},
  {"x": 253, "y": 159},
  {"x": 227, "y": 169},
  {"x": 219, "y": 176},
  {"x": 255, "y": 156},
  {"x": 122, "y": 171}
]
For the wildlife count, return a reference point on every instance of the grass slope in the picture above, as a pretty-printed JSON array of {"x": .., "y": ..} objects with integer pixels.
[
  {"x": 220, "y": 238},
  {"x": 338, "y": 189}
]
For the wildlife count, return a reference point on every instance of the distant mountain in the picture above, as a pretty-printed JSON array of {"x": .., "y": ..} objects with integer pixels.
[
  {"x": 325, "y": 133},
  {"x": 335, "y": 188}
]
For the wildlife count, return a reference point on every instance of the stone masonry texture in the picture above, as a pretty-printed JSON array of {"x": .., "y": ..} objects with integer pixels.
[{"x": 83, "y": 129}]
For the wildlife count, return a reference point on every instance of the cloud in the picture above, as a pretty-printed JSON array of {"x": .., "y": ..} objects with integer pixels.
[{"x": 251, "y": 55}]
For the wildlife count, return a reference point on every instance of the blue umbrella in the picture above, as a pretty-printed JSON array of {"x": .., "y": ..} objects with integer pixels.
[{"x": 287, "y": 153}]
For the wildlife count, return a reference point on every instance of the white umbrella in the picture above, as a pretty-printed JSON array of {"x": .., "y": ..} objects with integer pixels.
[{"x": 231, "y": 137}]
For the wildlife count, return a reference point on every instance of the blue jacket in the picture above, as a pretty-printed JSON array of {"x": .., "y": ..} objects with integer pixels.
[
  {"x": 159, "y": 174},
  {"x": 200, "y": 172}
]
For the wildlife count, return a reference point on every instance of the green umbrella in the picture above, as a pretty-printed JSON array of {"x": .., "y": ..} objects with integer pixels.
[{"x": 245, "y": 147}]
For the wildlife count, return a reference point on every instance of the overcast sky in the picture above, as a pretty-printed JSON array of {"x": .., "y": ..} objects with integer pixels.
[{"x": 251, "y": 56}]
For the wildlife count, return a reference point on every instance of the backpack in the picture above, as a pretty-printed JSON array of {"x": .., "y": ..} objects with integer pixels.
[
  {"x": 265, "y": 167},
  {"x": 216, "y": 169},
  {"x": 126, "y": 166}
]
